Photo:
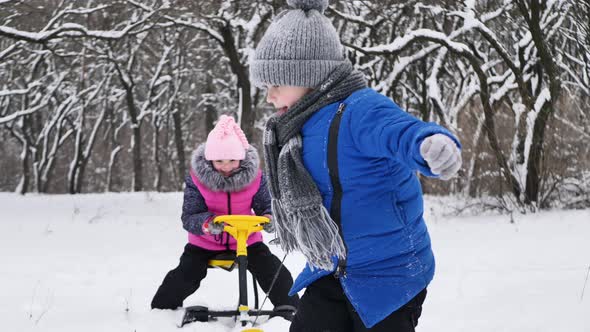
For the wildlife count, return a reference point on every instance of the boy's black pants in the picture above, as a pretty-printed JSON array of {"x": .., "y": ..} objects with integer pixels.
[
  {"x": 325, "y": 308},
  {"x": 186, "y": 278}
]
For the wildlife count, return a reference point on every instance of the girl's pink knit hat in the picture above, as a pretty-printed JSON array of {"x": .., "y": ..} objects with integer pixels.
[{"x": 226, "y": 141}]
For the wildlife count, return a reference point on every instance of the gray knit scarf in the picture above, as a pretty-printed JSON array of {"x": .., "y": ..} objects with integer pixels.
[{"x": 301, "y": 220}]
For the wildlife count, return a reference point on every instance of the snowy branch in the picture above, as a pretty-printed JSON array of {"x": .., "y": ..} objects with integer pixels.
[{"x": 73, "y": 30}]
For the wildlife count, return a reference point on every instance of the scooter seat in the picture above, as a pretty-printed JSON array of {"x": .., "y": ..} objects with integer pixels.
[{"x": 225, "y": 260}]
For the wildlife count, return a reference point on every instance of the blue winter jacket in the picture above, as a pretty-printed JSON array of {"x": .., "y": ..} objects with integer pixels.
[{"x": 389, "y": 258}]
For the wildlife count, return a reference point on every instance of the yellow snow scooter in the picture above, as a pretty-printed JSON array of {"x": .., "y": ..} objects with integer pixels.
[{"x": 240, "y": 227}]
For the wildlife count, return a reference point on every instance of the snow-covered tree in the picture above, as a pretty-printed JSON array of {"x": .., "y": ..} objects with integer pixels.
[
  {"x": 504, "y": 53},
  {"x": 107, "y": 94}
]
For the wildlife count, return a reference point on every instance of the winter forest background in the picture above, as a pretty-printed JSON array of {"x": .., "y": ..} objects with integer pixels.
[{"x": 113, "y": 95}]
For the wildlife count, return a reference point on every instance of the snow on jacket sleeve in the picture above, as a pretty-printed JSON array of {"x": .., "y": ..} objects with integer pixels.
[
  {"x": 194, "y": 209},
  {"x": 382, "y": 129},
  {"x": 261, "y": 200}
]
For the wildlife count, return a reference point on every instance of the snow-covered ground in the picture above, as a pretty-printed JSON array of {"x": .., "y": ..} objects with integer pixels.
[{"x": 92, "y": 263}]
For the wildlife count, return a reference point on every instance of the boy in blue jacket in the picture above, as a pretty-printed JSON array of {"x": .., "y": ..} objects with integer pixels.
[{"x": 341, "y": 161}]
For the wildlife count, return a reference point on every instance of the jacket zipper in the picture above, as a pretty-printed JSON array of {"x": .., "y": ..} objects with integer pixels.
[
  {"x": 228, "y": 212},
  {"x": 335, "y": 209}
]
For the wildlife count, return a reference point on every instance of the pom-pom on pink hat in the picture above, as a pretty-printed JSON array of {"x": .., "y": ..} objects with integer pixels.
[{"x": 226, "y": 141}]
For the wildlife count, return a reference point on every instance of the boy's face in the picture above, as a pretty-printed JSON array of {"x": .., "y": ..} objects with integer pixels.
[
  {"x": 226, "y": 166},
  {"x": 285, "y": 96}
]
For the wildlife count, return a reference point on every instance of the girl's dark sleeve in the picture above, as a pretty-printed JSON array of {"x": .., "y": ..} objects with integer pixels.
[
  {"x": 261, "y": 200},
  {"x": 194, "y": 209}
]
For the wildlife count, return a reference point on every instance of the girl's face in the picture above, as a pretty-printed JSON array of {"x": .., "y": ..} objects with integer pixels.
[
  {"x": 226, "y": 166},
  {"x": 285, "y": 96}
]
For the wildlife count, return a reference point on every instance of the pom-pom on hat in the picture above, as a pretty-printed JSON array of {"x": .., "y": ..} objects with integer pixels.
[
  {"x": 305, "y": 5},
  {"x": 300, "y": 48},
  {"x": 226, "y": 141}
]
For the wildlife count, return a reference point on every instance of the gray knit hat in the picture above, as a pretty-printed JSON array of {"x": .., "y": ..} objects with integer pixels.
[{"x": 300, "y": 47}]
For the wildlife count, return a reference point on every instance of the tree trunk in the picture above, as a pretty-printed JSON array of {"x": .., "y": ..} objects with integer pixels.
[
  {"x": 490, "y": 127},
  {"x": 23, "y": 185},
  {"x": 80, "y": 175},
  {"x": 75, "y": 164},
  {"x": 156, "y": 158},
  {"x": 424, "y": 109},
  {"x": 136, "y": 155},
  {"x": 85, "y": 155},
  {"x": 549, "y": 67},
  {"x": 535, "y": 156},
  {"x": 179, "y": 143},
  {"x": 73, "y": 175},
  {"x": 471, "y": 187},
  {"x": 137, "y": 184},
  {"x": 112, "y": 160},
  {"x": 247, "y": 118}
]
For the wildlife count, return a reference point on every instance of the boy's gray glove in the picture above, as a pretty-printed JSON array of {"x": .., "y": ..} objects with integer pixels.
[{"x": 442, "y": 155}]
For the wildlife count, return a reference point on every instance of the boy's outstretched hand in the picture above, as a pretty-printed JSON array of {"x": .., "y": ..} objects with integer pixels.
[{"x": 442, "y": 155}]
